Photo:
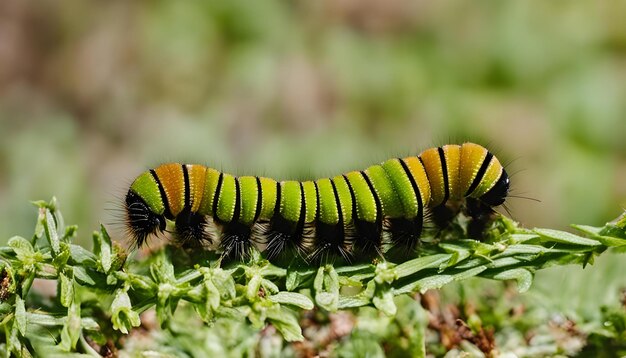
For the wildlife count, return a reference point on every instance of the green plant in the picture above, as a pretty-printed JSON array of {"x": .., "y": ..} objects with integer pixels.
[{"x": 101, "y": 293}]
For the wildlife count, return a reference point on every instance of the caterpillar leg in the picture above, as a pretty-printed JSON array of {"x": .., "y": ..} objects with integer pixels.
[
  {"x": 442, "y": 215},
  {"x": 192, "y": 229},
  {"x": 236, "y": 241},
  {"x": 331, "y": 242},
  {"x": 481, "y": 215},
  {"x": 368, "y": 241},
  {"x": 405, "y": 232},
  {"x": 285, "y": 239},
  {"x": 405, "y": 236}
]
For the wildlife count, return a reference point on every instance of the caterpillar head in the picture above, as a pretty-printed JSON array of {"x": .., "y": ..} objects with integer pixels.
[
  {"x": 498, "y": 193},
  {"x": 140, "y": 220}
]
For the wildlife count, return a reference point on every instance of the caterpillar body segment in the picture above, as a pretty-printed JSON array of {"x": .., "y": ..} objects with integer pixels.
[{"x": 351, "y": 215}]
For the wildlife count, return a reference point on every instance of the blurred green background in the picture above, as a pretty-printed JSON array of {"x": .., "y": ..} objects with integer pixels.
[{"x": 93, "y": 93}]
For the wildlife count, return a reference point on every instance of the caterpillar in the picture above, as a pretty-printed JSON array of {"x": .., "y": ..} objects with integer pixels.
[{"x": 350, "y": 215}]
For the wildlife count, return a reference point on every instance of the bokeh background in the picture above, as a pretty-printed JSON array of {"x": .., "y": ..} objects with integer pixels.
[{"x": 93, "y": 93}]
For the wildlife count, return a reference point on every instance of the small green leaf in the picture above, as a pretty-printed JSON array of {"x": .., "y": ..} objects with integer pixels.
[
  {"x": 566, "y": 237},
  {"x": 84, "y": 277},
  {"x": 521, "y": 238},
  {"x": 383, "y": 300},
  {"x": 51, "y": 232},
  {"x": 206, "y": 315},
  {"x": 141, "y": 283},
  {"x": 111, "y": 280},
  {"x": 104, "y": 249},
  {"x": 589, "y": 230},
  {"x": 44, "y": 319},
  {"x": 81, "y": 256},
  {"x": 326, "y": 285},
  {"x": 465, "y": 274},
  {"x": 610, "y": 241},
  {"x": 252, "y": 289},
  {"x": 503, "y": 262},
  {"x": 235, "y": 314},
  {"x": 48, "y": 320},
  {"x": 27, "y": 283},
  {"x": 410, "y": 267},
  {"x": 350, "y": 281},
  {"x": 71, "y": 329},
  {"x": 20, "y": 315},
  {"x": 354, "y": 270},
  {"x": 123, "y": 317},
  {"x": 523, "y": 277},
  {"x": 166, "y": 302},
  {"x": 269, "y": 286},
  {"x": 212, "y": 295},
  {"x": 224, "y": 282},
  {"x": 473, "y": 262},
  {"x": 41, "y": 220},
  {"x": 12, "y": 334},
  {"x": 370, "y": 289},
  {"x": 318, "y": 283},
  {"x": 191, "y": 274},
  {"x": 286, "y": 323},
  {"x": 295, "y": 278},
  {"x": 523, "y": 249},
  {"x": 327, "y": 301},
  {"x": 267, "y": 269},
  {"x": 162, "y": 269},
  {"x": 22, "y": 248},
  {"x": 434, "y": 282},
  {"x": 353, "y": 301},
  {"x": 62, "y": 256},
  {"x": 600, "y": 234},
  {"x": 66, "y": 288},
  {"x": 438, "y": 281},
  {"x": 53, "y": 204},
  {"x": 292, "y": 298}
]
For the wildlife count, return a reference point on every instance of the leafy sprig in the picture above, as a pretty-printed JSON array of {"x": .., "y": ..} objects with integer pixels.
[{"x": 256, "y": 291}]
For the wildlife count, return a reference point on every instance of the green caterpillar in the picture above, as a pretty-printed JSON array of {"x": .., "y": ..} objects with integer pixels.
[{"x": 345, "y": 216}]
